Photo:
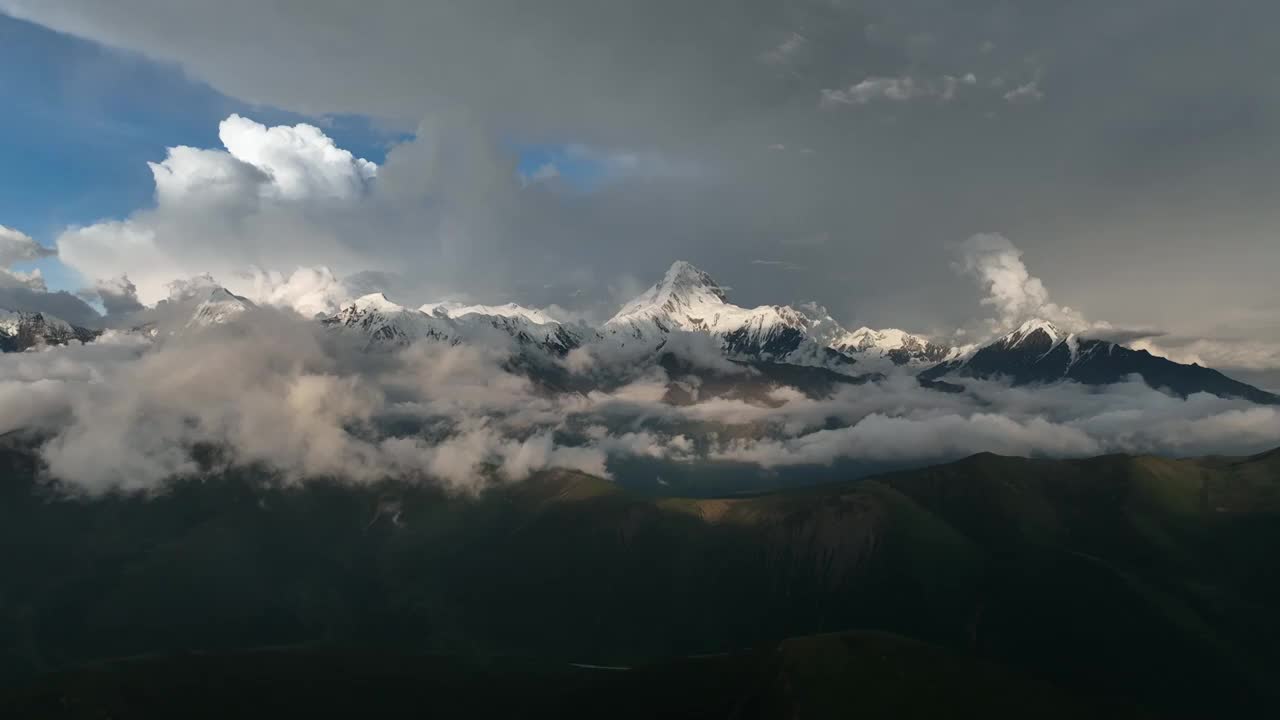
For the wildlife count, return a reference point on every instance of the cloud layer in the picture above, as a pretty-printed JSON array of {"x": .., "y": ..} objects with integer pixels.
[
  {"x": 845, "y": 142},
  {"x": 275, "y": 391}
]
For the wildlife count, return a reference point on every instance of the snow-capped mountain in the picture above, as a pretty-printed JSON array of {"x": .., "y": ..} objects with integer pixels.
[
  {"x": 775, "y": 338},
  {"x": 217, "y": 306},
  {"x": 688, "y": 299},
  {"x": 510, "y": 310},
  {"x": 1039, "y": 352},
  {"x": 529, "y": 326},
  {"x": 551, "y": 336},
  {"x": 385, "y": 322},
  {"x": 20, "y": 331},
  {"x": 884, "y": 351},
  {"x": 1036, "y": 351},
  {"x": 192, "y": 306},
  {"x": 890, "y": 347}
]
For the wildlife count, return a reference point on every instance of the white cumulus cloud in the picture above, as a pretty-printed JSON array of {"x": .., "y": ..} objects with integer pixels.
[
  {"x": 271, "y": 196},
  {"x": 301, "y": 161},
  {"x": 1012, "y": 291},
  {"x": 16, "y": 247}
]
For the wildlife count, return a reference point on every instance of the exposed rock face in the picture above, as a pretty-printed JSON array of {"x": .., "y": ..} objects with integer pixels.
[
  {"x": 20, "y": 331},
  {"x": 1038, "y": 352}
]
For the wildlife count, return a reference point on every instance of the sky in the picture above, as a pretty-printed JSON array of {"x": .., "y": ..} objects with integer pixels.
[{"x": 566, "y": 152}]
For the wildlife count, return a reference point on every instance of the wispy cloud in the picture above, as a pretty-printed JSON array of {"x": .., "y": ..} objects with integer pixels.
[
  {"x": 1025, "y": 93},
  {"x": 781, "y": 264},
  {"x": 896, "y": 89}
]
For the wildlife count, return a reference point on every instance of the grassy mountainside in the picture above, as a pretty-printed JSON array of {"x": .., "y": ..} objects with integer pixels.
[
  {"x": 1111, "y": 578},
  {"x": 826, "y": 676}
]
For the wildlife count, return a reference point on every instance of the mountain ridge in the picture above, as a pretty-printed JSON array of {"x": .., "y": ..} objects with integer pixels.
[
  {"x": 22, "y": 331},
  {"x": 689, "y": 300},
  {"x": 1032, "y": 563},
  {"x": 1038, "y": 352}
]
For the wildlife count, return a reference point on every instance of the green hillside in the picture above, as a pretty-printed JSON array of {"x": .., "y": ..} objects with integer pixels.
[
  {"x": 1114, "y": 579},
  {"x": 824, "y": 676}
]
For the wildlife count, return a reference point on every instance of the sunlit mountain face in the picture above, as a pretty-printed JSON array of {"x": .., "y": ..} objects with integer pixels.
[{"x": 626, "y": 358}]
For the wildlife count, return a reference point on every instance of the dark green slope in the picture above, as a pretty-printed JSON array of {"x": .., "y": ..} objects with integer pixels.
[
  {"x": 1160, "y": 564},
  {"x": 833, "y": 676},
  {"x": 1115, "y": 577}
]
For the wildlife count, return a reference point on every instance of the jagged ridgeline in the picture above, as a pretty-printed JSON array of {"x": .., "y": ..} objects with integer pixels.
[
  {"x": 688, "y": 300},
  {"x": 21, "y": 331},
  {"x": 1107, "y": 584}
]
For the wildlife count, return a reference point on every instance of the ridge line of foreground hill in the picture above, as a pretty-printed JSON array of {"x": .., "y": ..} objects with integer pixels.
[{"x": 1118, "y": 577}]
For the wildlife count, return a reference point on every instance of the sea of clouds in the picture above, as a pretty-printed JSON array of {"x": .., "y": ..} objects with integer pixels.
[{"x": 280, "y": 392}]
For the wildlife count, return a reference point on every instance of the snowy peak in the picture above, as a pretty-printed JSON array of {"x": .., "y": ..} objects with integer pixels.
[
  {"x": 686, "y": 297},
  {"x": 1030, "y": 344},
  {"x": 685, "y": 280},
  {"x": 1037, "y": 352},
  {"x": 223, "y": 295},
  {"x": 508, "y": 310},
  {"x": 373, "y": 302},
  {"x": 383, "y": 322},
  {"x": 21, "y": 331},
  {"x": 875, "y": 350},
  {"x": 899, "y": 346},
  {"x": 218, "y": 306},
  {"x": 1033, "y": 334},
  {"x": 689, "y": 299},
  {"x": 192, "y": 305},
  {"x": 865, "y": 339},
  {"x": 12, "y": 322}
]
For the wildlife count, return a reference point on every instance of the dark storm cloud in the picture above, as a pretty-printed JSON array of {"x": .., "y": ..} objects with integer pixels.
[{"x": 1127, "y": 149}]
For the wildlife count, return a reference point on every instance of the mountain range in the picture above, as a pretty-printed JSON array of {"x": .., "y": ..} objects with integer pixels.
[
  {"x": 688, "y": 301},
  {"x": 1037, "y": 352},
  {"x": 1120, "y": 585},
  {"x": 1141, "y": 584},
  {"x": 383, "y": 323},
  {"x": 21, "y": 331}
]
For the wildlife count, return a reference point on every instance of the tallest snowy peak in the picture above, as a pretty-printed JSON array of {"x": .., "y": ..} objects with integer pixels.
[
  {"x": 684, "y": 290},
  {"x": 376, "y": 301},
  {"x": 687, "y": 299},
  {"x": 1031, "y": 329},
  {"x": 683, "y": 277}
]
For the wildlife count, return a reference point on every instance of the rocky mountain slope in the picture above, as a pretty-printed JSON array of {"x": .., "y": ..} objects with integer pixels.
[
  {"x": 21, "y": 331},
  {"x": 382, "y": 322},
  {"x": 1038, "y": 352},
  {"x": 688, "y": 300},
  {"x": 890, "y": 346}
]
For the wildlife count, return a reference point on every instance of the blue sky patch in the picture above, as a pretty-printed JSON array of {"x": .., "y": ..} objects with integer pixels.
[{"x": 81, "y": 121}]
